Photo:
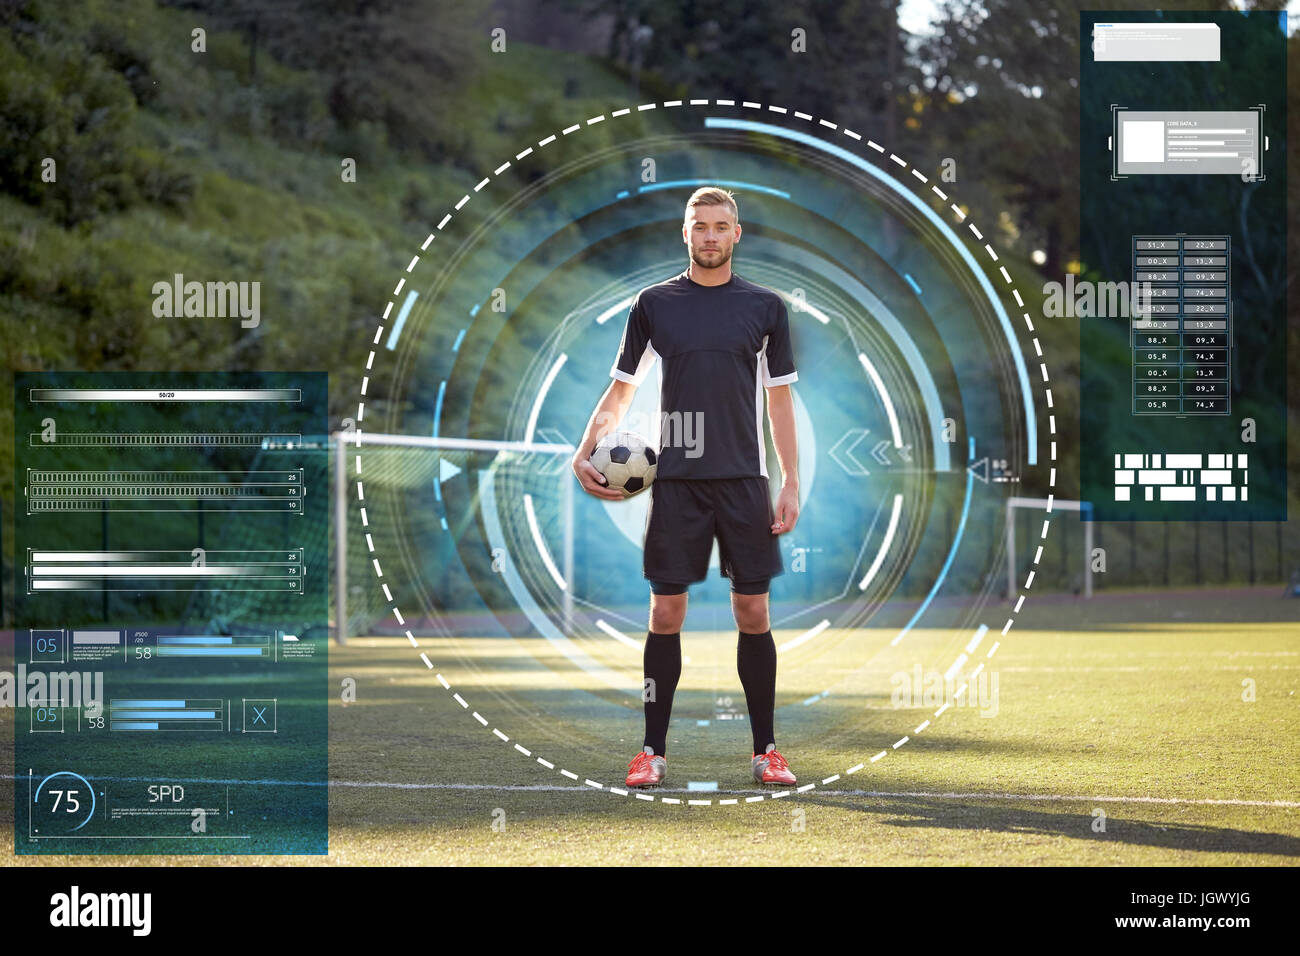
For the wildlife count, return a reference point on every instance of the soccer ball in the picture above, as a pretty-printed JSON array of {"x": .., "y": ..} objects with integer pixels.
[{"x": 626, "y": 460}]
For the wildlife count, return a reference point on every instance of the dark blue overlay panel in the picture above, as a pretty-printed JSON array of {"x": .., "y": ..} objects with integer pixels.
[
  {"x": 171, "y": 539},
  {"x": 1183, "y": 190}
]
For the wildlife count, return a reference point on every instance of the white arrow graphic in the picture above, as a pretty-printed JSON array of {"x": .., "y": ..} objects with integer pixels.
[{"x": 850, "y": 464}]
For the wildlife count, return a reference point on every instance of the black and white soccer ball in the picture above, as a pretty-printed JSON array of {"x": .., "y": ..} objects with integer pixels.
[{"x": 626, "y": 460}]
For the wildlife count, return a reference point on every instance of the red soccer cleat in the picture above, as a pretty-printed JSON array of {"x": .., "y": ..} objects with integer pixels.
[
  {"x": 646, "y": 770},
  {"x": 771, "y": 767}
]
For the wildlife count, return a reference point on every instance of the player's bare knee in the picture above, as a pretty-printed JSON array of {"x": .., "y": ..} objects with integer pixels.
[
  {"x": 750, "y": 611},
  {"x": 667, "y": 613}
]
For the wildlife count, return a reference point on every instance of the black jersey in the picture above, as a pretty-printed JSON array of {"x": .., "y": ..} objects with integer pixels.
[{"x": 718, "y": 347}]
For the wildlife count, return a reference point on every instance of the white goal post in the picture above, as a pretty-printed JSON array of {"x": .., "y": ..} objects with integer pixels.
[
  {"x": 346, "y": 442},
  {"x": 1041, "y": 504}
]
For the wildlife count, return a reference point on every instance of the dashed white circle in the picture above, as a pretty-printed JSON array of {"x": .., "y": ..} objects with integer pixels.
[{"x": 960, "y": 218}]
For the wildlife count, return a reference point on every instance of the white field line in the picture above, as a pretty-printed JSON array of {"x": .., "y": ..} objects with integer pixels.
[{"x": 552, "y": 788}]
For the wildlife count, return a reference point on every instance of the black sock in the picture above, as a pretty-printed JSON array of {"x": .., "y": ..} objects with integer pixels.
[
  {"x": 663, "y": 666},
  {"x": 756, "y": 665}
]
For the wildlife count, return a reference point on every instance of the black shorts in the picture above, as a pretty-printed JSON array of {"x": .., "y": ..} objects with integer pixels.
[{"x": 687, "y": 513}]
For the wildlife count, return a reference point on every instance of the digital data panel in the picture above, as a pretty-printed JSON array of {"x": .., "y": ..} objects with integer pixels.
[
  {"x": 1183, "y": 201},
  {"x": 172, "y": 534},
  {"x": 1181, "y": 344}
]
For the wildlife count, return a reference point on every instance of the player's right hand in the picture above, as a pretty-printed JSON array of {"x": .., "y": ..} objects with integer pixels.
[{"x": 592, "y": 481}]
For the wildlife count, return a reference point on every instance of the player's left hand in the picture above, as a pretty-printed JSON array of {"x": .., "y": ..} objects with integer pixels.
[{"x": 787, "y": 510}]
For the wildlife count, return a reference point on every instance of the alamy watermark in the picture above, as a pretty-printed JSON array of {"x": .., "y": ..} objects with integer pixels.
[
  {"x": 922, "y": 688},
  {"x": 1084, "y": 299},
  {"x": 177, "y": 299},
  {"x": 40, "y": 689},
  {"x": 674, "y": 429},
  {"x": 74, "y": 909}
]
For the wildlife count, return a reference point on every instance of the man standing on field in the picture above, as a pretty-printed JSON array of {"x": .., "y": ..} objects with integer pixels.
[{"x": 721, "y": 340}]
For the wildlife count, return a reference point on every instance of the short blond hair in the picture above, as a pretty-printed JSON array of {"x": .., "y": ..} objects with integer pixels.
[{"x": 713, "y": 196}]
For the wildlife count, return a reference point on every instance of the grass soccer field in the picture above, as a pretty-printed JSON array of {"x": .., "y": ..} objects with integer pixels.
[{"x": 1146, "y": 723}]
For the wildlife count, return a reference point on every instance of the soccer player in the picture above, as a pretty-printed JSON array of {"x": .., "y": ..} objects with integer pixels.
[{"x": 720, "y": 341}]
